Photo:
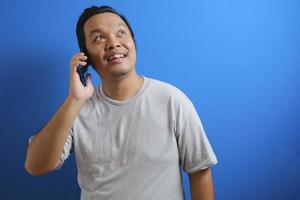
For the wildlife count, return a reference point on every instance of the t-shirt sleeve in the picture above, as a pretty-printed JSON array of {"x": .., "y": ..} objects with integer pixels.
[
  {"x": 195, "y": 150},
  {"x": 68, "y": 147}
]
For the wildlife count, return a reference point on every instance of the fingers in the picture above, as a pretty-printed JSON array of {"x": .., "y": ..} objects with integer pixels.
[{"x": 78, "y": 59}]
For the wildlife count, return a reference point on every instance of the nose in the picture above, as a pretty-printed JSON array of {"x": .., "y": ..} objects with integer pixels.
[{"x": 112, "y": 43}]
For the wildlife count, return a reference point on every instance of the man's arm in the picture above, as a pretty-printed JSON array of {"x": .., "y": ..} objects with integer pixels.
[
  {"x": 201, "y": 185},
  {"x": 44, "y": 150}
]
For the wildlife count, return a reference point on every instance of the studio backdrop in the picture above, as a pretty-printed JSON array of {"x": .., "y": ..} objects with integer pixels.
[{"x": 238, "y": 61}]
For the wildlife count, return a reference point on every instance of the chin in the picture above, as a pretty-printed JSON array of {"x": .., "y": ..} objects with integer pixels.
[
  {"x": 118, "y": 74},
  {"x": 115, "y": 71}
]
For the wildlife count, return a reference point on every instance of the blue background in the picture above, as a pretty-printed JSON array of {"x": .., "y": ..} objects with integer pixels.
[{"x": 238, "y": 61}]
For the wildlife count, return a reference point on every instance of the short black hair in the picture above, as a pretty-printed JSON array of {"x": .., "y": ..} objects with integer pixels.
[{"x": 89, "y": 12}]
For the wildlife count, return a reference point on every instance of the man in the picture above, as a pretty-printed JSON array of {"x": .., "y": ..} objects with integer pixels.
[{"x": 132, "y": 134}]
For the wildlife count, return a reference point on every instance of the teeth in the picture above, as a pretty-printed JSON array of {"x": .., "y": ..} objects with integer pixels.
[{"x": 116, "y": 56}]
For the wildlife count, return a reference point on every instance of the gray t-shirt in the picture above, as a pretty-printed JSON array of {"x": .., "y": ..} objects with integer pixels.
[{"x": 134, "y": 149}]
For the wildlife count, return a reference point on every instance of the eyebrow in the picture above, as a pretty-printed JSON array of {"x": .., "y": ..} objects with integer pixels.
[
  {"x": 96, "y": 30},
  {"x": 99, "y": 30}
]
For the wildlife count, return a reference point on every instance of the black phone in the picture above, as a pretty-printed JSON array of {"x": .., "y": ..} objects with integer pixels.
[{"x": 81, "y": 70}]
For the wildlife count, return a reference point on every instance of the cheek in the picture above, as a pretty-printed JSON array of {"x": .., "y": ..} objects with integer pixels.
[
  {"x": 130, "y": 45},
  {"x": 132, "y": 56},
  {"x": 96, "y": 54}
]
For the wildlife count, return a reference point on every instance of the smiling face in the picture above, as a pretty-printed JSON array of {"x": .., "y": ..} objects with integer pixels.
[{"x": 110, "y": 45}]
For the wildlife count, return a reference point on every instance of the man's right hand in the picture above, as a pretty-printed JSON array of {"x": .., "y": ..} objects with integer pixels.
[
  {"x": 77, "y": 91},
  {"x": 45, "y": 149}
]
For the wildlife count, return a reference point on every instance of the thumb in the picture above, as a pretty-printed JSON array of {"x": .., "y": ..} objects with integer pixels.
[{"x": 88, "y": 79}]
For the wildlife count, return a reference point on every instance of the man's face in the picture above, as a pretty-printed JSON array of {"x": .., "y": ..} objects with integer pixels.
[{"x": 110, "y": 45}]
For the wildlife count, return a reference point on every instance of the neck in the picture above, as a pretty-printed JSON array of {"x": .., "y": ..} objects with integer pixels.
[{"x": 122, "y": 88}]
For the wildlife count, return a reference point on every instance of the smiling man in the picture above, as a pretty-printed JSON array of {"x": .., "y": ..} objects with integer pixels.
[{"x": 131, "y": 135}]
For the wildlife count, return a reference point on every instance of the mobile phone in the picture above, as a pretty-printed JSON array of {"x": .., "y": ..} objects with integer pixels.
[{"x": 81, "y": 71}]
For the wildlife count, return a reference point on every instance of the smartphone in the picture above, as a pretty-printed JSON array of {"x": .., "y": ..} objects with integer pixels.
[{"x": 81, "y": 71}]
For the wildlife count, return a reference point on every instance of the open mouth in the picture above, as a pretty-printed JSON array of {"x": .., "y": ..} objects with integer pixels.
[{"x": 116, "y": 58}]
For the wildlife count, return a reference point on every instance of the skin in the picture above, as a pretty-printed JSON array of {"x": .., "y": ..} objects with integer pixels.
[
  {"x": 105, "y": 34},
  {"x": 201, "y": 185}
]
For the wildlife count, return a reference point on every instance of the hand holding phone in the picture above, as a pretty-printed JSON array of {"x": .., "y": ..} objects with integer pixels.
[
  {"x": 81, "y": 87},
  {"x": 81, "y": 71}
]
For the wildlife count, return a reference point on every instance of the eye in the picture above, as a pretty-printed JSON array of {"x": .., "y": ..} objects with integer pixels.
[
  {"x": 98, "y": 38},
  {"x": 121, "y": 32}
]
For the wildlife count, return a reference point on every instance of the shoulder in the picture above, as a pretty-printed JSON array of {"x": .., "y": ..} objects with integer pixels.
[
  {"x": 167, "y": 91},
  {"x": 164, "y": 87}
]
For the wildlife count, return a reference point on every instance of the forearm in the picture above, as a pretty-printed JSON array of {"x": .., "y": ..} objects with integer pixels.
[
  {"x": 201, "y": 184},
  {"x": 44, "y": 151}
]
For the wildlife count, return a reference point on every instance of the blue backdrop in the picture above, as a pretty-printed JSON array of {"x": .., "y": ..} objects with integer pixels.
[{"x": 238, "y": 61}]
